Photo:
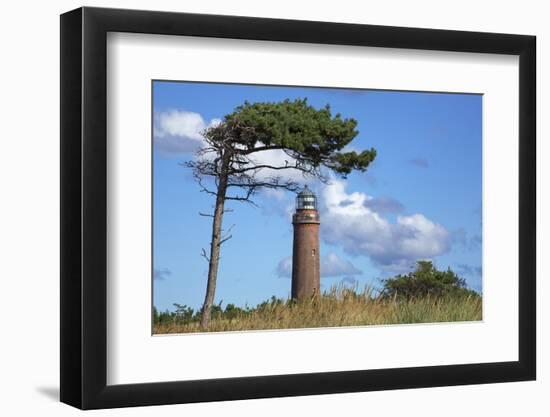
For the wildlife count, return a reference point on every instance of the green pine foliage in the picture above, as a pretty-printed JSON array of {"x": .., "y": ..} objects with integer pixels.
[{"x": 313, "y": 136}]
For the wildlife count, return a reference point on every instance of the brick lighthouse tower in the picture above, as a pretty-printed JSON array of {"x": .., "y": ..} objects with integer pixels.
[{"x": 305, "y": 257}]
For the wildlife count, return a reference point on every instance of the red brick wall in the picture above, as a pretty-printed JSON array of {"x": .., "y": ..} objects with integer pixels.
[{"x": 305, "y": 261}]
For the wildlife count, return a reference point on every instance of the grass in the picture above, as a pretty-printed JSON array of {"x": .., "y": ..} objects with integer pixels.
[{"x": 334, "y": 308}]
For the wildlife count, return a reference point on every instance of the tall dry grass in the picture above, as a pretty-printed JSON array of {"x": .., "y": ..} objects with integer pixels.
[{"x": 340, "y": 307}]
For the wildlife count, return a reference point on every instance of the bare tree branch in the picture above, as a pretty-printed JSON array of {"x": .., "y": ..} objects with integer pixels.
[
  {"x": 260, "y": 149},
  {"x": 225, "y": 239},
  {"x": 297, "y": 166},
  {"x": 242, "y": 199}
]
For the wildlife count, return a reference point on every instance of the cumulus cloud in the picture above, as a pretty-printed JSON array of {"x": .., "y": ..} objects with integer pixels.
[
  {"x": 161, "y": 274},
  {"x": 178, "y": 131},
  {"x": 334, "y": 266},
  {"x": 331, "y": 266},
  {"x": 395, "y": 246}
]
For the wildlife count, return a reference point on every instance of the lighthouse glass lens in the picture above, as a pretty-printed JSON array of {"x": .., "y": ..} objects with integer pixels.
[{"x": 306, "y": 203}]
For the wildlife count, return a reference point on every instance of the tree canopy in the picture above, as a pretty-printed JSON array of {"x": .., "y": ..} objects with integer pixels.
[{"x": 310, "y": 139}]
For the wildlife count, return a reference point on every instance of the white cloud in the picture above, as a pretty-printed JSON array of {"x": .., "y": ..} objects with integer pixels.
[
  {"x": 334, "y": 266},
  {"x": 347, "y": 221},
  {"x": 278, "y": 157},
  {"x": 331, "y": 266},
  {"x": 178, "y": 131}
]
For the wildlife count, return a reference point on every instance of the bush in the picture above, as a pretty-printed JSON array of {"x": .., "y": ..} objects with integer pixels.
[{"x": 424, "y": 281}]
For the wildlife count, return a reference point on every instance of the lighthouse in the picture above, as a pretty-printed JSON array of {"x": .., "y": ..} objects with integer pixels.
[{"x": 305, "y": 256}]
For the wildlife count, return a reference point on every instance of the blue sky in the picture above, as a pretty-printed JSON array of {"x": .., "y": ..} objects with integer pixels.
[{"x": 420, "y": 199}]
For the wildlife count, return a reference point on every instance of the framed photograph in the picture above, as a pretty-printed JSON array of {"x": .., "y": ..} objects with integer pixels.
[{"x": 259, "y": 208}]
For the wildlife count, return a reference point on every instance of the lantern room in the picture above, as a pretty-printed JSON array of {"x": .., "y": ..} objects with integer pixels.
[{"x": 306, "y": 200}]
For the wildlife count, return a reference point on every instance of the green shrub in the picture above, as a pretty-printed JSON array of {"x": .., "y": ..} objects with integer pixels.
[{"x": 424, "y": 281}]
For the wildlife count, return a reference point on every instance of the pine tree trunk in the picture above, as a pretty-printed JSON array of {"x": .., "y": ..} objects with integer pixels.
[{"x": 215, "y": 244}]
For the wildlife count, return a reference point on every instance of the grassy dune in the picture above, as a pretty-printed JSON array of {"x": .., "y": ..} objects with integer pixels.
[{"x": 337, "y": 307}]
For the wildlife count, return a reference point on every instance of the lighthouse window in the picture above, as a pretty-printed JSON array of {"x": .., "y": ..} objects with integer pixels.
[
  {"x": 306, "y": 200},
  {"x": 312, "y": 252}
]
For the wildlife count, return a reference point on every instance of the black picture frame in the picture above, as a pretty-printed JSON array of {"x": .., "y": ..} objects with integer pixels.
[{"x": 84, "y": 207}]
